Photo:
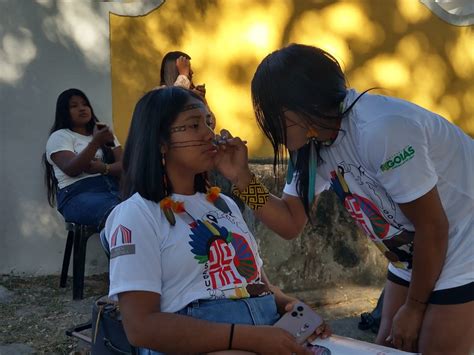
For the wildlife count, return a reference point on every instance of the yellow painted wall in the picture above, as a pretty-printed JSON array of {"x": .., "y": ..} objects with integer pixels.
[{"x": 395, "y": 44}]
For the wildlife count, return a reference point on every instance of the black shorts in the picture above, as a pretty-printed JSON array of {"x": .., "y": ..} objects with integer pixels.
[{"x": 455, "y": 295}]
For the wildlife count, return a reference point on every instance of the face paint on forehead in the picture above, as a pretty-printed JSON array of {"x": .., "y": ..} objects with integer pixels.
[{"x": 193, "y": 107}]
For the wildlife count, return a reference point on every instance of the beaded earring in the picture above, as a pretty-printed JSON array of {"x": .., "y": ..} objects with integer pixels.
[{"x": 313, "y": 159}]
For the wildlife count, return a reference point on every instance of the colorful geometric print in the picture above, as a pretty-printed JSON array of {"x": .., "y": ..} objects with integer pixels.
[
  {"x": 126, "y": 247},
  {"x": 231, "y": 260},
  {"x": 398, "y": 248},
  {"x": 244, "y": 258},
  {"x": 126, "y": 236},
  {"x": 379, "y": 225},
  {"x": 359, "y": 206}
]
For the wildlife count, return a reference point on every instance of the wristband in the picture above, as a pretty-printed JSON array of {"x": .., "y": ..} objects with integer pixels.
[
  {"x": 231, "y": 336},
  {"x": 106, "y": 169},
  {"x": 417, "y": 301},
  {"x": 255, "y": 195}
]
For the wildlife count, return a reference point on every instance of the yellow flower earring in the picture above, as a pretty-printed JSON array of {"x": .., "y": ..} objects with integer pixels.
[{"x": 312, "y": 133}]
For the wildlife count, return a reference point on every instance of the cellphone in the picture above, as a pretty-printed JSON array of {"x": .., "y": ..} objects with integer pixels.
[
  {"x": 301, "y": 322},
  {"x": 101, "y": 125}
]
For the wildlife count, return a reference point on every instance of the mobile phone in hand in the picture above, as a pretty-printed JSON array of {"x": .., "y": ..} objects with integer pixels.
[
  {"x": 301, "y": 322},
  {"x": 101, "y": 125}
]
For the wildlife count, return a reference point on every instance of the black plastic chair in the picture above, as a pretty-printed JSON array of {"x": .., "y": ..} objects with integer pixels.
[{"x": 77, "y": 237}]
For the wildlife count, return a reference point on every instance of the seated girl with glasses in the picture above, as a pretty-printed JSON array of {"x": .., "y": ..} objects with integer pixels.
[{"x": 183, "y": 264}]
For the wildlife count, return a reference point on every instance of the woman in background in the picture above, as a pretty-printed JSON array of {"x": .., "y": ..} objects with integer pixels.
[{"x": 82, "y": 162}]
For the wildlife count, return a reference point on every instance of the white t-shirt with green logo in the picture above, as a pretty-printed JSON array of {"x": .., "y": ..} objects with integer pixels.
[{"x": 391, "y": 151}]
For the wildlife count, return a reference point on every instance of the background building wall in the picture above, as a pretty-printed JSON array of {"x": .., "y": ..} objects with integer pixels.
[
  {"x": 397, "y": 45},
  {"x": 47, "y": 46}
]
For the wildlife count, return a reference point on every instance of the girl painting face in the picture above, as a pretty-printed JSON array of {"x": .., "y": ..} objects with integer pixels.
[
  {"x": 191, "y": 148},
  {"x": 79, "y": 111},
  {"x": 296, "y": 131}
]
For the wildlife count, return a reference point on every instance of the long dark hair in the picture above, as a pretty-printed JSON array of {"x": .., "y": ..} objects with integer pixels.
[
  {"x": 143, "y": 169},
  {"x": 303, "y": 79},
  {"x": 169, "y": 71},
  {"x": 62, "y": 120}
]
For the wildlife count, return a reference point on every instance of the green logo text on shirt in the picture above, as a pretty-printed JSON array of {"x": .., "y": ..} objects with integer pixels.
[{"x": 398, "y": 159}]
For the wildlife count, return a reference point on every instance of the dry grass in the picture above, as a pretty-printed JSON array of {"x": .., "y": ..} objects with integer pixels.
[{"x": 40, "y": 312}]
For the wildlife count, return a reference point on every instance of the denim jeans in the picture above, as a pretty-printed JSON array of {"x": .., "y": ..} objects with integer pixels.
[
  {"x": 88, "y": 201},
  {"x": 252, "y": 311}
]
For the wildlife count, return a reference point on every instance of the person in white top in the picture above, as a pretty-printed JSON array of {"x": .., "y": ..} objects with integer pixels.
[
  {"x": 82, "y": 162},
  {"x": 176, "y": 71},
  {"x": 183, "y": 264},
  {"x": 405, "y": 174}
]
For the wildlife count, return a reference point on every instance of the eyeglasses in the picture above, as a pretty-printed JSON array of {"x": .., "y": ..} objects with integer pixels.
[{"x": 198, "y": 125}]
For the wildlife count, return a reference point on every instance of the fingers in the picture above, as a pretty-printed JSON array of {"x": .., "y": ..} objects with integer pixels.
[
  {"x": 235, "y": 142},
  {"x": 289, "y": 306},
  {"x": 225, "y": 134},
  {"x": 323, "y": 331},
  {"x": 222, "y": 141},
  {"x": 300, "y": 349},
  {"x": 397, "y": 341}
]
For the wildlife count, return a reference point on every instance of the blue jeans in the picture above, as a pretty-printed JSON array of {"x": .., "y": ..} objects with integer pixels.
[
  {"x": 88, "y": 201},
  {"x": 252, "y": 311}
]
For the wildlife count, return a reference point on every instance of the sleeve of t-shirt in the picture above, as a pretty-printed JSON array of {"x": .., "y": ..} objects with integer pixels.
[
  {"x": 116, "y": 141},
  {"x": 397, "y": 150},
  {"x": 135, "y": 256},
  {"x": 58, "y": 141},
  {"x": 321, "y": 184}
]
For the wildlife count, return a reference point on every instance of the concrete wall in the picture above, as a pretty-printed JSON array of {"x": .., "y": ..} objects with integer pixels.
[{"x": 45, "y": 48}]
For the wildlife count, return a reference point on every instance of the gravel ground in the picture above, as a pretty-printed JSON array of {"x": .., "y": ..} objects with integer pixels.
[{"x": 35, "y": 312}]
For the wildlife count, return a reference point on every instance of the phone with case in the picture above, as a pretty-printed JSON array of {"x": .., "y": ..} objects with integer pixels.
[{"x": 301, "y": 322}]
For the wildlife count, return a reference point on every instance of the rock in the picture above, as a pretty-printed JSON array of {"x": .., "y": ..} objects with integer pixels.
[
  {"x": 5, "y": 295},
  {"x": 17, "y": 349}
]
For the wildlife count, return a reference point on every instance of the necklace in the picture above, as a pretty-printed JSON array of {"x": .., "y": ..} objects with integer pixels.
[{"x": 171, "y": 207}]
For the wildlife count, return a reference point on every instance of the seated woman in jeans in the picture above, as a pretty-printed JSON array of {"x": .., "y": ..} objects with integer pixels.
[
  {"x": 83, "y": 162},
  {"x": 183, "y": 264}
]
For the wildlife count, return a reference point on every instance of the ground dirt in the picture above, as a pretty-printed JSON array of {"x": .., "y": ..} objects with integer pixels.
[{"x": 37, "y": 312}]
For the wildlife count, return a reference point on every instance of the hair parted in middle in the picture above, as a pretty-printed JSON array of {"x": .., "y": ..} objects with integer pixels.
[{"x": 143, "y": 163}]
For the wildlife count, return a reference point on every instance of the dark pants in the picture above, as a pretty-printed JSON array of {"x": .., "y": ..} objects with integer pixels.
[{"x": 89, "y": 201}]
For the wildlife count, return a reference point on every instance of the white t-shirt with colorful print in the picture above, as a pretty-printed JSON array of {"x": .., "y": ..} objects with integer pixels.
[
  {"x": 207, "y": 254},
  {"x": 390, "y": 151}
]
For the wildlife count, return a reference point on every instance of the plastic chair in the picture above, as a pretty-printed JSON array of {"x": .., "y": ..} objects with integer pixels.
[{"x": 77, "y": 237}]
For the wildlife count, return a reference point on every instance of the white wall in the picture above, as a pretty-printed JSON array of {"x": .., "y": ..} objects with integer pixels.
[{"x": 45, "y": 48}]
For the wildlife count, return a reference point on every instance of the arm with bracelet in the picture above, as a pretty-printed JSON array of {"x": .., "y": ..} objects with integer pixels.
[{"x": 285, "y": 216}]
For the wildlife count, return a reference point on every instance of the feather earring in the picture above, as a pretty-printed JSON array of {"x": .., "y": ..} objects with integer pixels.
[
  {"x": 312, "y": 164},
  {"x": 165, "y": 178},
  {"x": 291, "y": 166},
  {"x": 166, "y": 204},
  {"x": 213, "y": 196}
]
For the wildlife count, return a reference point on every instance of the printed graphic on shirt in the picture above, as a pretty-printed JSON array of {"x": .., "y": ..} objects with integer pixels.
[
  {"x": 395, "y": 243},
  {"x": 121, "y": 242},
  {"x": 318, "y": 349},
  {"x": 229, "y": 263},
  {"x": 398, "y": 159}
]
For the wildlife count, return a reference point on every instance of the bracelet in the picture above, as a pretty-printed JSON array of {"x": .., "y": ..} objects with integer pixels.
[
  {"x": 255, "y": 195},
  {"x": 417, "y": 301},
  {"x": 231, "y": 336},
  {"x": 107, "y": 168}
]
